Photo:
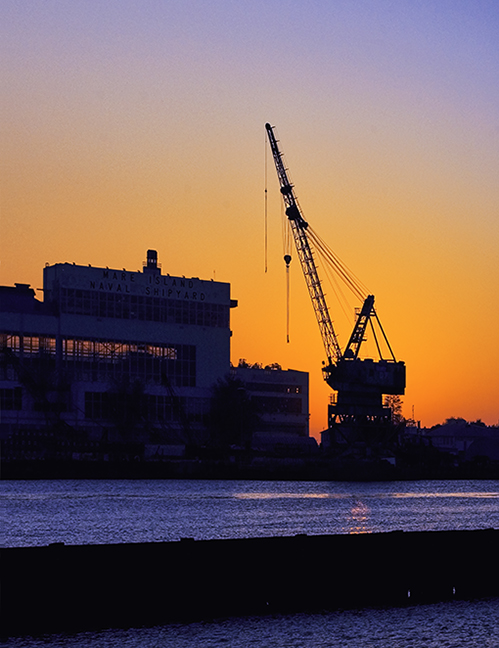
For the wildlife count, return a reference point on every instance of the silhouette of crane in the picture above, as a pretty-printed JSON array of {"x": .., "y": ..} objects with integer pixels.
[{"x": 358, "y": 413}]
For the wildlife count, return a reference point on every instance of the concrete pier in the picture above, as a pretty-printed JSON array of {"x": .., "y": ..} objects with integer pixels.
[{"x": 66, "y": 588}]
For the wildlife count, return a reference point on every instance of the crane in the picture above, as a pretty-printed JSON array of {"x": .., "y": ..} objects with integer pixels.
[{"x": 360, "y": 383}]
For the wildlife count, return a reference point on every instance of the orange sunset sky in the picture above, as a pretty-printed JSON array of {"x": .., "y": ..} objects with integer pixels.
[{"x": 128, "y": 125}]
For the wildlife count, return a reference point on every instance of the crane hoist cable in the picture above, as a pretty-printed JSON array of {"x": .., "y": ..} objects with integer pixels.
[
  {"x": 265, "y": 200},
  {"x": 286, "y": 248},
  {"x": 336, "y": 288},
  {"x": 341, "y": 269},
  {"x": 305, "y": 253},
  {"x": 333, "y": 266},
  {"x": 286, "y": 238},
  {"x": 287, "y": 245},
  {"x": 287, "y": 260}
]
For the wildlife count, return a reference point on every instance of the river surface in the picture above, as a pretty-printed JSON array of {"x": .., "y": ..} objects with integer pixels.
[
  {"x": 82, "y": 512},
  {"x": 96, "y": 512}
]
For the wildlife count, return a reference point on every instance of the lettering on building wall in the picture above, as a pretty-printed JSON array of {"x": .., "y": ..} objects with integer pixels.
[
  {"x": 159, "y": 286},
  {"x": 124, "y": 277}
]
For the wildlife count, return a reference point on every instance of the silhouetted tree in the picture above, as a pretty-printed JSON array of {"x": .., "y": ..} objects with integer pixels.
[
  {"x": 233, "y": 416},
  {"x": 455, "y": 420},
  {"x": 394, "y": 402},
  {"x": 128, "y": 407}
]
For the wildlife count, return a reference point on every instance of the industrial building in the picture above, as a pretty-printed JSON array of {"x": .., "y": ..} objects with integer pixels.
[
  {"x": 113, "y": 359},
  {"x": 110, "y": 353},
  {"x": 281, "y": 399}
]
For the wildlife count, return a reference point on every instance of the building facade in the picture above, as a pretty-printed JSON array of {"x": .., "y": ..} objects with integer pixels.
[
  {"x": 110, "y": 354},
  {"x": 281, "y": 398}
]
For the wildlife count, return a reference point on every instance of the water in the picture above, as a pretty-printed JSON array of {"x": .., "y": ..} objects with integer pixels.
[
  {"x": 458, "y": 624},
  {"x": 96, "y": 512},
  {"x": 79, "y": 512}
]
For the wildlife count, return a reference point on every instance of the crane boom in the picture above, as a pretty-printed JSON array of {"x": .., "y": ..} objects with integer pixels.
[{"x": 299, "y": 229}]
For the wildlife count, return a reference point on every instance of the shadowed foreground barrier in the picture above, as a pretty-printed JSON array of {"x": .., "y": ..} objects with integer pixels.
[{"x": 59, "y": 588}]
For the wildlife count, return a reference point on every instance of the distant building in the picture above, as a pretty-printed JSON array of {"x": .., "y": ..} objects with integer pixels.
[
  {"x": 282, "y": 401},
  {"x": 109, "y": 355},
  {"x": 466, "y": 440},
  {"x": 456, "y": 437}
]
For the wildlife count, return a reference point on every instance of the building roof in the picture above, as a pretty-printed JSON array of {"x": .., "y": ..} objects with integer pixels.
[
  {"x": 462, "y": 430},
  {"x": 19, "y": 298}
]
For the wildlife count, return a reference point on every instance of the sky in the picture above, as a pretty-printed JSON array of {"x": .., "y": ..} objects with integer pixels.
[{"x": 136, "y": 124}]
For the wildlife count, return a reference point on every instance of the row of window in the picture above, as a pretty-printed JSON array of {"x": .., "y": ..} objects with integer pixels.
[
  {"x": 28, "y": 344},
  {"x": 108, "y": 406},
  {"x": 151, "y": 407},
  {"x": 115, "y": 351},
  {"x": 274, "y": 387},
  {"x": 147, "y": 309},
  {"x": 278, "y": 405},
  {"x": 32, "y": 345},
  {"x": 106, "y": 360}
]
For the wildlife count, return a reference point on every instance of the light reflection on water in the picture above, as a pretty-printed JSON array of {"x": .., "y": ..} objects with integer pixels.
[
  {"x": 81, "y": 512},
  {"x": 255, "y": 496},
  {"x": 346, "y": 495},
  {"x": 359, "y": 519}
]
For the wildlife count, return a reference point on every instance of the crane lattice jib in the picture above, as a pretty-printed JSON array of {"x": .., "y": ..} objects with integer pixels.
[
  {"x": 305, "y": 254},
  {"x": 353, "y": 347}
]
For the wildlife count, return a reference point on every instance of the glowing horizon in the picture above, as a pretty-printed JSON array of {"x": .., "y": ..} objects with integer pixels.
[{"x": 134, "y": 126}]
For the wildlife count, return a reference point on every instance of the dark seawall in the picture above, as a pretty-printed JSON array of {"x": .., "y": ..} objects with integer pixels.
[
  {"x": 295, "y": 468},
  {"x": 67, "y": 588}
]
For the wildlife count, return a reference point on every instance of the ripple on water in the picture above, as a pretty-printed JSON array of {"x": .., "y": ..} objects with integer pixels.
[{"x": 457, "y": 624}]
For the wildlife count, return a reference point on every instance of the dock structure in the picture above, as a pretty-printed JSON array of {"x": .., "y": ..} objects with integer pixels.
[{"x": 59, "y": 587}]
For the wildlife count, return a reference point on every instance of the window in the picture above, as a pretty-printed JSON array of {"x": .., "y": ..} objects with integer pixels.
[
  {"x": 115, "y": 360},
  {"x": 145, "y": 308},
  {"x": 11, "y": 399},
  {"x": 274, "y": 387},
  {"x": 278, "y": 405}
]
